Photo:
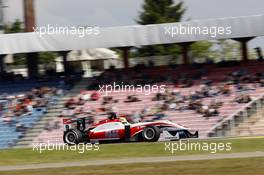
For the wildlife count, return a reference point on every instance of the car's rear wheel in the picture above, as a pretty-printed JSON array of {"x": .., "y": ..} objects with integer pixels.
[
  {"x": 73, "y": 137},
  {"x": 151, "y": 134}
]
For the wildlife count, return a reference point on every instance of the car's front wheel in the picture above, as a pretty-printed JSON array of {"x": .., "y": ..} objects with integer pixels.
[
  {"x": 151, "y": 134},
  {"x": 73, "y": 137}
]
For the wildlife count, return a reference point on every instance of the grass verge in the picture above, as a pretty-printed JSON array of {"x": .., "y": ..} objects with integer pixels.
[{"x": 115, "y": 151}]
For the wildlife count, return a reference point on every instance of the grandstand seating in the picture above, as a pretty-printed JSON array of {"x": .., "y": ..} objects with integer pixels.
[
  {"x": 188, "y": 118},
  {"x": 10, "y": 131},
  {"x": 254, "y": 125},
  {"x": 10, "y": 134},
  {"x": 12, "y": 87}
]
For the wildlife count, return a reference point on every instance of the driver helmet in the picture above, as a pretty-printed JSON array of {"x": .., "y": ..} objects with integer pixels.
[{"x": 123, "y": 120}]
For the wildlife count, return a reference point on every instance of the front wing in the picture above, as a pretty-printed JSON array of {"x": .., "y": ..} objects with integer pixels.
[{"x": 176, "y": 134}]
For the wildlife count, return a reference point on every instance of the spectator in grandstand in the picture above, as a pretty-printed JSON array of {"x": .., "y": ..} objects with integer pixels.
[
  {"x": 172, "y": 106},
  {"x": 71, "y": 103},
  {"x": 108, "y": 100},
  {"x": 85, "y": 96},
  {"x": 207, "y": 111},
  {"x": 59, "y": 92},
  {"x": 29, "y": 108},
  {"x": 159, "y": 96},
  {"x": 213, "y": 91},
  {"x": 225, "y": 89},
  {"x": 243, "y": 98},
  {"x": 215, "y": 104},
  {"x": 195, "y": 95},
  {"x": 185, "y": 83},
  {"x": 206, "y": 81},
  {"x": 243, "y": 87},
  {"x": 195, "y": 104},
  {"x": 20, "y": 128},
  {"x": 164, "y": 106},
  {"x": 204, "y": 91},
  {"x": 132, "y": 98},
  {"x": 95, "y": 96}
]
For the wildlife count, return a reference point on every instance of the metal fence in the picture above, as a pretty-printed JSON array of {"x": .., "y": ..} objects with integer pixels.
[{"x": 223, "y": 128}]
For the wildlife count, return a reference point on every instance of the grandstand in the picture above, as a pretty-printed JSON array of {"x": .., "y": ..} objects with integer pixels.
[
  {"x": 187, "y": 117},
  {"x": 44, "y": 123},
  {"x": 252, "y": 126},
  {"x": 22, "y": 105}
]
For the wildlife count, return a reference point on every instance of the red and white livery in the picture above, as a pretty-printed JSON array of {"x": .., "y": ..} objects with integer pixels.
[{"x": 119, "y": 130}]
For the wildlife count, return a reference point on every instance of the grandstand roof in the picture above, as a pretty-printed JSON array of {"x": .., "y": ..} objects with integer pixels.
[{"x": 137, "y": 35}]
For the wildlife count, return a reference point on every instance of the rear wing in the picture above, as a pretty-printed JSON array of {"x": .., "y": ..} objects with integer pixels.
[
  {"x": 75, "y": 123},
  {"x": 67, "y": 124}
]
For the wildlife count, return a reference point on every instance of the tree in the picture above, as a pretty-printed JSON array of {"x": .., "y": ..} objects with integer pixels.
[
  {"x": 201, "y": 50},
  {"x": 20, "y": 59},
  {"x": 166, "y": 11},
  {"x": 229, "y": 49},
  {"x": 16, "y": 27},
  {"x": 47, "y": 57},
  {"x": 156, "y": 12},
  {"x": 226, "y": 50},
  {"x": 161, "y": 11}
]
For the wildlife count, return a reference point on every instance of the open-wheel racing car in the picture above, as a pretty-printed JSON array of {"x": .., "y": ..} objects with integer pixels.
[{"x": 119, "y": 130}]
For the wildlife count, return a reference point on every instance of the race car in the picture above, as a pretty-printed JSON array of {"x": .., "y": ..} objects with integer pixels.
[{"x": 119, "y": 130}]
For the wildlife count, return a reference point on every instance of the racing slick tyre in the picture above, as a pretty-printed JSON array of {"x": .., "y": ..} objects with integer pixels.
[
  {"x": 73, "y": 137},
  {"x": 151, "y": 134}
]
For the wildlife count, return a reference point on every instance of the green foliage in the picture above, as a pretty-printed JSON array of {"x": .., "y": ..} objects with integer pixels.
[
  {"x": 225, "y": 50},
  {"x": 47, "y": 57},
  {"x": 20, "y": 59},
  {"x": 201, "y": 49},
  {"x": 161, "y": 11},
  {"x": 166, "y": 11},
  {"x": 15, "y": 27},
  {"x": 228, "y": 49},
  {"x": 156, "y": 12}
]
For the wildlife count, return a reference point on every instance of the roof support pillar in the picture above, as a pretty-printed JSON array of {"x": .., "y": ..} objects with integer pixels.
[
  {"x": 125, "y": 57},
  {"x": 185, "y": 52},
  {"x": 32, "y": 65},
  {"x": 2, "y": 63},
  {"x": 66, "y": 65},
  {"x": 244, "y": 47}
]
